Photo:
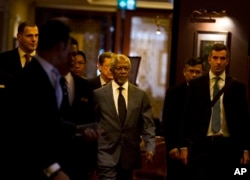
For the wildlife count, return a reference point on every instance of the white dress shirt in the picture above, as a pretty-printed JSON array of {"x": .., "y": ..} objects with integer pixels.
[
  {"x": 115, "y": 90},
  {"x": 22, "y": 56},
  {"x": 221, "y": 82},
  {"x": 70, "y": 87}
]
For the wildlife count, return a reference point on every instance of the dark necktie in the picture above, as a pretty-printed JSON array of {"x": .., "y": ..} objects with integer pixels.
[
  {"x": 27, "y": 59},
  {"x": 65, "y": 107},
  {"x": 216, "y": 119},
  {"x": 122, "y": 110}
]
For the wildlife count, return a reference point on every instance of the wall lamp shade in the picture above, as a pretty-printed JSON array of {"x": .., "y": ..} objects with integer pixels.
[
  {"x": 202, "y": 20},
  {"x": 158, "y": 31},
  {"x": 158, "y": 21},
  {"x": 206, "y": 16}
]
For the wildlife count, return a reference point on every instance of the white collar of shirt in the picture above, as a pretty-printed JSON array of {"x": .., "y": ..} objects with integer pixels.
[
  {"x": 70, "y": 86},
  {"x": 22, "y": 53},
  {"x": 221, "y": 82},
  {"x": 222, "y": 75},
  {"x": 115, "y": 86},
  {"x": 102, "y": 81}
]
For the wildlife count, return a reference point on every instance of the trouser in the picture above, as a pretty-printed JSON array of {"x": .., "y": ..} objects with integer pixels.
[{"x": 214, "y": 157}]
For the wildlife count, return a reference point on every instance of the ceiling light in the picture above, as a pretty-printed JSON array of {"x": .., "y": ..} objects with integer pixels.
[{"x": 158, "y": 31}]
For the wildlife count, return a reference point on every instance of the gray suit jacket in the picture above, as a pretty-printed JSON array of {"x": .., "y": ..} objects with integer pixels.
[{"x": 120, "y": 142}]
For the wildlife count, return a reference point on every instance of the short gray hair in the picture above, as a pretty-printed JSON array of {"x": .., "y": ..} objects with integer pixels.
[{"x": 116, "y": 58}]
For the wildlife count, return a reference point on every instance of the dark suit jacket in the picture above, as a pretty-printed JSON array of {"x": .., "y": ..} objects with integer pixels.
[
  {"x": 38, "y": 133},
  {"x": 123, "y": 142},
  {"x": 197, "y": 112},
  {"x": 173, "y": 111},
  {"x": 95, "y": 82},
  {"x": 10, "y": 65},
  {"x": 83, "y": 154}
]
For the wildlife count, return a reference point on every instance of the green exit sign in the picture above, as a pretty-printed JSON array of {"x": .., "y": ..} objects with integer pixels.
[{"x": 126, "y": 4}]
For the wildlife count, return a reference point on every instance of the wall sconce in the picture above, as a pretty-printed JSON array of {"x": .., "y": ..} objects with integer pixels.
[
  {"x": 206, "y": 16},
  {"x": 158, "y": 31},
  {"x": 158, "y": 23}
]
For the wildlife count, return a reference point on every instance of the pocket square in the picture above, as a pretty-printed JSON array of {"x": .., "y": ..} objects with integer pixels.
[{"x": 83, "y": 99}]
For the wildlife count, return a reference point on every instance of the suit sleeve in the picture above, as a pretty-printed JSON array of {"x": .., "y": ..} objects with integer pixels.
[
  {"x": 170, "y": 128},
  {"x": 148, "y": 131},
  {"x": 186, "y": 121}
]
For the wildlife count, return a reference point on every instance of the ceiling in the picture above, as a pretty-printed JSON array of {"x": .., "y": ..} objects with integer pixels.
[{"x": 103, "y": 5}]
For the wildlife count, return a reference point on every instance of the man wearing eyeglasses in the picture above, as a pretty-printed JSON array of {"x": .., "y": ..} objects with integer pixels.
[
  {"x": 79, "y": 64},
  {"x": 104, "y": 68}
]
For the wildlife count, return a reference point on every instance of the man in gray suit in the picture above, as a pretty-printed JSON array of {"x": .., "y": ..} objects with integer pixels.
[{"x": 119, "y": 147}]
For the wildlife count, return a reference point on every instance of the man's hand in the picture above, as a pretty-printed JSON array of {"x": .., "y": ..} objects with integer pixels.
[
  {"x": 92, "y": 134},
  {"x": 89, "y": 132},
  {"x": 149, "y": 156},
  {"x": 174, "y": 153},
  {"x": 245, "y": 158},
  {"x": 184, "y": 155},
  {"x": 60, "y": 175}
]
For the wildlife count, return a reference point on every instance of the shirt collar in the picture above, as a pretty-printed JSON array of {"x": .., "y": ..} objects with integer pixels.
[
  {"x": 22, "y": 53},
  {"x": 116, "y": 86},
  {"x": 222, "y": 75},
  {"x": 102, "y": 81},
  {"x": 70, "y": 85},
  {"x": 68, "y": 77},
  {"x": 46, "y": 65}
]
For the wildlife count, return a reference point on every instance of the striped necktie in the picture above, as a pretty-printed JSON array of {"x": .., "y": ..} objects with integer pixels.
[
  {"x": 216, "y": 119},
  {"x": 27, "y": 59}
]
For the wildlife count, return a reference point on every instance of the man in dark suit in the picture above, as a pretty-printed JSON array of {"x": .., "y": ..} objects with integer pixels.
[
  {"x": 79, "y": 64},
  {"x": 42, "y": 133},
  {"x": 221, "y": 144},
  {"x": 104, "y": 68},
  {"x": 81, "y": 154},
  {"x": 11, "y": 62},
  {"x": 172, "y": 114},
  {"x": 119, "y": 146}
]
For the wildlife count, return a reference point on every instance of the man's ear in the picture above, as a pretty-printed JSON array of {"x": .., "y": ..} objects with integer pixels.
[
  {"x": 60, "y": 46},
  {"x": 183, "y": 71},
  {"x": 99, "y": 67},
  {"x": 18, "y": 36}
]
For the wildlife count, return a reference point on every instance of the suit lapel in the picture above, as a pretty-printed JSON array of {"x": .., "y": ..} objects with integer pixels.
[
  {"x": 43, "y": 81},
  {"x": 77, "y": 93},
  {"x": 132, "y": 98},
  {"x": 15, "y": 62},
  {"x": 109, "y": 99}
]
